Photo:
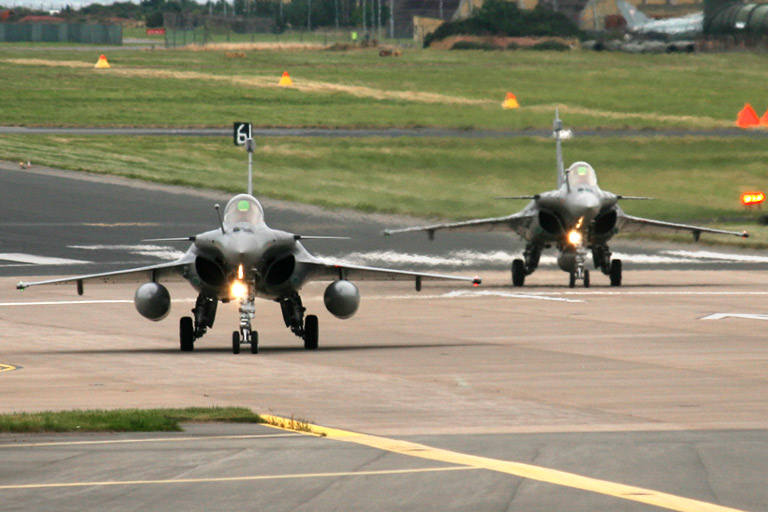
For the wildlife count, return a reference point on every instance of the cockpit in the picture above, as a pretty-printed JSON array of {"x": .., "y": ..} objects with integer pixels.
[
  {"x": 581, "y": 174},
  {"x": 243, "y": 208}
]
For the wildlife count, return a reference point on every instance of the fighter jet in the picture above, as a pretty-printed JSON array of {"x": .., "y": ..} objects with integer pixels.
[
  {"x": 576, "y": 218},
  {"x": 243, "y": 259},
  {"x": 682, "y": 26}
]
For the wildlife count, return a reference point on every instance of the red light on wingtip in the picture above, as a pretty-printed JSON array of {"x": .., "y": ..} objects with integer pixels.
[
  {"x": 476, "y": 281},
  {"x": 750, "y": 198}
]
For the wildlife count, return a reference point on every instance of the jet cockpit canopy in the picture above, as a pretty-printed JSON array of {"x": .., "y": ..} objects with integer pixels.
[
  {"x": 581, "y": 174},
  {"x": 243, "y": 208}
]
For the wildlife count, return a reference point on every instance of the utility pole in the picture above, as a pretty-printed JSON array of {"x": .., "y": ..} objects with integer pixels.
[
  {"x": 364, "y": 30},
  {"x": 391, "y": 19}
]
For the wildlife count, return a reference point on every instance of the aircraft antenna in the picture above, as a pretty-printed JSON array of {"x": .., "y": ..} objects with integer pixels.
[
  {"x": 250, "y": 145},
  {"x": 221, "y": 221}
]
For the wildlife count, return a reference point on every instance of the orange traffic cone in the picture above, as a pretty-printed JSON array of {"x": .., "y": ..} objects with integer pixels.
[
  {"x": 102, "y": 62},
  {"x": 510, "y": 101},
  {"x": 764, "y": 120},
  {"x": 285, "y": 79},
  {"x": 747, "y": 118}
]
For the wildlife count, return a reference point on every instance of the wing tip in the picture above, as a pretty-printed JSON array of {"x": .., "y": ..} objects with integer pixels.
[{"x": 21, "y": 286}]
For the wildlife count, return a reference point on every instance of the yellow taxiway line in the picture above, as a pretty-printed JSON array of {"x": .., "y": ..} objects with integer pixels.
[
  {"x": 6, "y": 367},
  {"x": 541, "y": 474}
]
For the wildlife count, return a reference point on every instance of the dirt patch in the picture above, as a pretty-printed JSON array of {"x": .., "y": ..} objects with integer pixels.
[{"x": 502, "y": 42}]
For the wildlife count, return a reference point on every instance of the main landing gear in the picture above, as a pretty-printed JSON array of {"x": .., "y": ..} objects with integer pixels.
[
  {"x": 192, "y": 329},
  {"x": 293, "y": 315},
  {"x": 610, "y": 267},
  {"x": 525, "y": 267}
]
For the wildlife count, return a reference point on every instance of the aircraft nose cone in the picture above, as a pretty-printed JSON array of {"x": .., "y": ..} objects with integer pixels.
[{"x": 586, "y": 205}]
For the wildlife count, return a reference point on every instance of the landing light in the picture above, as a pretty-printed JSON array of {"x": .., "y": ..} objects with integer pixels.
[
  {"x": 574, "y": 237},
  {"x": 239, "y": 290},
  {"x": 750, "y": 198}
]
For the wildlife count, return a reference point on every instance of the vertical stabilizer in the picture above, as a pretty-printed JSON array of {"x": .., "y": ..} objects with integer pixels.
[
  {"x": 635, "y": 19},
  {"x": 557, "y": 127}
]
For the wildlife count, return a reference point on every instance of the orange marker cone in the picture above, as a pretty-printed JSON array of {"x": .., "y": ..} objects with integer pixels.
[
  {"x": 747, "y": 118},
  {"x": 285, "y": 79},
  {"x": 510, "y": 101},
  {"x": 102, "y": 62},
  {"x": 764, "y": 120}
]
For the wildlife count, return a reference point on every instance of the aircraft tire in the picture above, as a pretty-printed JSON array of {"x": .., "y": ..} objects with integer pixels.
[
  {"x": 615, "y": 273},
  {"x": 186, "y": 334},
  {"x": 586, "y": 279},
  {"x": 572, "y": 280},
  {"x": 235, "y": 342},
  {"x": 518, "y": 272},
  {"x": 311, "y": 332},
  {"x": 254, "y": 342}
]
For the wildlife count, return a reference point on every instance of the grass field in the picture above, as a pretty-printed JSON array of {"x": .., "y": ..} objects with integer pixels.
[
  {"x": 694, "y": 179},
  {"x": 358, "y": 88},
  {"x": 123, "y": 420}
]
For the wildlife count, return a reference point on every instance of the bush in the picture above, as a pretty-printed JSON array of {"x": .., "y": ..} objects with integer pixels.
[
  {"x": 513, "y": 46},
  {"x": 551, "y": 45},
  {"x": 473, "y": 45}
]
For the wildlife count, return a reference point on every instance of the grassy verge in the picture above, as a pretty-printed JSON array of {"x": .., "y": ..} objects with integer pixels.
[
  {"x": 359, "y": 88},
  {"x": 122, "y": 420},
  {"x": 692, "y": 179}
]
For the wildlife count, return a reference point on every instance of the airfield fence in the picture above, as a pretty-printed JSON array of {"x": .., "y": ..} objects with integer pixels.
[
  {"x": 61, "y": 33},
  {"x": 183, "y": 30}
]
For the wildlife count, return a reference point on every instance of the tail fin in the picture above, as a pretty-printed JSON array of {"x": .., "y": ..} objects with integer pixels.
[
  {"x": 557, "y": 127},
  {"x": 632, "y": 14}
]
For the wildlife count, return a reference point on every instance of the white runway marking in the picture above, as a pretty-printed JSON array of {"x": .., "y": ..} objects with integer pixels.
[
  {"x": 38, "y": 260},
  {"x": 164, "y": 252},
  {"x": 469, "y": 258},
  {"x": 76, "y": 302},
  {"x": 720, "y": 316}
]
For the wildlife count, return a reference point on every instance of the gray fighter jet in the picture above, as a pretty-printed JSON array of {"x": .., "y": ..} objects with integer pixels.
[
  {"x": 240, "y": 260},
  {"x": 576, "y": 218}
]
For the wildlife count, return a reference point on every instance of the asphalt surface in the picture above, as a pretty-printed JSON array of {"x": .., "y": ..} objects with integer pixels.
[{"x": 541, "y": 398}]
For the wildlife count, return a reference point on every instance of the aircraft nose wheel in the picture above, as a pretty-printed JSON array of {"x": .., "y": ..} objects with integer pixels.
[
  {"x": 246, "y": 337},
  {"x": 573, "y": 276}
]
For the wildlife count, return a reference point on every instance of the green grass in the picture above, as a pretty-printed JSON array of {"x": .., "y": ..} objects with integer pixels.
[
  {"x": 122, "y": 420},
  {"x": 695, "y": 179},
  {"x": 598, "y": 90},
  {"x": 692, "y": 179}
]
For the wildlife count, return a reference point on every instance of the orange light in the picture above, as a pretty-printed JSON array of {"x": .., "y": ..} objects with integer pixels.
[
  {"x": 574, "y": 237},
  {"x": 750, "y": 198},
  {"x": 239, "y": 290},
  {"x": 240, "y": 271}
]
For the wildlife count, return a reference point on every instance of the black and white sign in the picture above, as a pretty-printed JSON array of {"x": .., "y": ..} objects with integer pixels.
[{"x": 242, "y": 133}]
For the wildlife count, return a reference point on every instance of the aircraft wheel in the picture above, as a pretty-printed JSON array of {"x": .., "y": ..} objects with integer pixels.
[
  {"x": 235, "y": 342},
  {"x": 616, "y": 273},
  {"x": 186, "y": 334},
  {"x": 572, "y": 280},
  {"x": 518, "y": 272},
  {"x": 311, "y": 332},
  {"x": 254, "y": 342},
  {"x": 586, "y": 279}
]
